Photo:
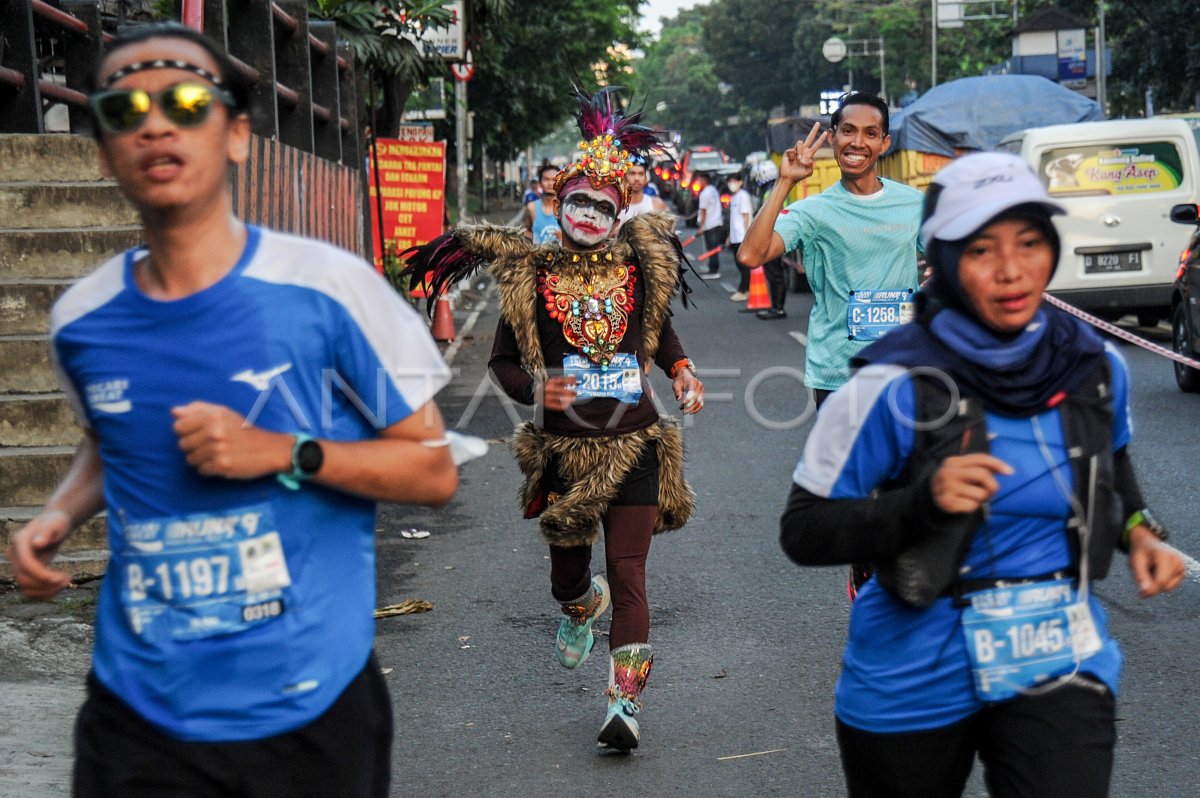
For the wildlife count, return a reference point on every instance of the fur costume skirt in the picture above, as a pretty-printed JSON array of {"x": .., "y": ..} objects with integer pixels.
[{"x": 595, "y": 469}]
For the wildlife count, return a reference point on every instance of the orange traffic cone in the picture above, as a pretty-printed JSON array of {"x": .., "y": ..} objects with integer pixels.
[
  {"x": 759, "y": 298},
  {"x": 443, "y": 320}
]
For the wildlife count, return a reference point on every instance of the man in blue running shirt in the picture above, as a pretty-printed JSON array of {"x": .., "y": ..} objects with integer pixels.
[{"x": 247, "y": 397}]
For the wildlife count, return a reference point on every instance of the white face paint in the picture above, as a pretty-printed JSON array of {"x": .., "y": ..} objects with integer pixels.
[{"x": 588, "y": 216}]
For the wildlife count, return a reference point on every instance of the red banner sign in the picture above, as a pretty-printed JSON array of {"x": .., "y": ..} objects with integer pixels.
[{"x": 412, "y": 188}]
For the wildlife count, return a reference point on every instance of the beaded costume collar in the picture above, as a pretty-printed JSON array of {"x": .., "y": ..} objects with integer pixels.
[{"x": 591, "y": 295}]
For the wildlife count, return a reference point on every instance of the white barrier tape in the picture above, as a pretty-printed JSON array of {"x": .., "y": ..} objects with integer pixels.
[{"x": 1124, "y": 335}]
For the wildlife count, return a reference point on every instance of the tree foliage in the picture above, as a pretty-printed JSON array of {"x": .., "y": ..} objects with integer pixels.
[
  {"x": 378, "y": 31},
  {"x": 1155, "y": 47},
  {"x": 769, "y": 53},
  {"x": 526, "y": 60},
  {"x": 685, "y": 94}
]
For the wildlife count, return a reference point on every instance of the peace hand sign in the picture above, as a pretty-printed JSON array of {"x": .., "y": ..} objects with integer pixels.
[{"x": 797, "y": 163}]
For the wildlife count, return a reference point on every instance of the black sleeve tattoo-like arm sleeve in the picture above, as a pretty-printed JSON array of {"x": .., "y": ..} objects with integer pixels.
[{"x": 819, "y": 531}]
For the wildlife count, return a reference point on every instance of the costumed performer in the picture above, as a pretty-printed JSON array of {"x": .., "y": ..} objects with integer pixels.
[{"x": 582, "y": 323}]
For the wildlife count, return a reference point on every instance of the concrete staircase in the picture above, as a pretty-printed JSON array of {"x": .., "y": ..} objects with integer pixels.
[{"x": 58, "y": 218}]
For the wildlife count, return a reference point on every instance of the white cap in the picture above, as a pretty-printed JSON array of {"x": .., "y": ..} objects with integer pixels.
[
  {"x": 765, "y": 172},
  {"x": 976, "y": 188}
]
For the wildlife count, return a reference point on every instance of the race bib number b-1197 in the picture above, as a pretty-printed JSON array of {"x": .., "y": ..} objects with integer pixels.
[{"x": 197, "y": 576}]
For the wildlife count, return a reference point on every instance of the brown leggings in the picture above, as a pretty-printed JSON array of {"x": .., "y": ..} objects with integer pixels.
[{"x": 627, "y": 533}]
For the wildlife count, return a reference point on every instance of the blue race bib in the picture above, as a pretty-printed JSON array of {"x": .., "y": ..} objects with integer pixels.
[
  {"x": 622, "y": 380},
  {"x": 1024, "y": 635},
  {"x": 872, "y": 313},
  {"x": 198, "y": 576}
]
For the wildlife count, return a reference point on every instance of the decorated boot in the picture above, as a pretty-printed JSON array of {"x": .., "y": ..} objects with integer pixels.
[
  {"x": 629, "y": 667},
  {"x": 575, "y": 638}
]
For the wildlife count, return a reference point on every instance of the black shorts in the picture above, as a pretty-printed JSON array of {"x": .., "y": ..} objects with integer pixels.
[
  {"x": 346, "y": 752},
  {"x": 1059, "y": 743},
  {"x": 640, "y": 486}
]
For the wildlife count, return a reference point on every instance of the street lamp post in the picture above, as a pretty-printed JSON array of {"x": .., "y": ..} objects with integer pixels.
[{"x": 836, "y": 49}]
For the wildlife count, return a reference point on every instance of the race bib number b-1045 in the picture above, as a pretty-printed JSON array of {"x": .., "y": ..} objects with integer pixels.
[
  {"x": 1021, "y": 636},
  {"x": 197, "y": 576}
]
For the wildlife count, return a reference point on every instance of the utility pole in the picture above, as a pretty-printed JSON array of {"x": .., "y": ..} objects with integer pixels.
[
  {"x": 460, "y": 132},
  {"x": 1101, "y": 63},
  {"x": 933, "y": 45}
]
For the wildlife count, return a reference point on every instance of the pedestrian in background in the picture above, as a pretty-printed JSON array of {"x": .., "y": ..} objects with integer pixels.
[
  {"x": 979, "y": 461},
  {"x": 541, "y": 225},
  {"x": 765, "y": 174},
  {"x": 640, "y": 200},
  {"x": 533, "y": 192},
  {"x": 741, "y": 209},
  {"x": 711, "y": 223},
  {"x": 234, "y": 631}
]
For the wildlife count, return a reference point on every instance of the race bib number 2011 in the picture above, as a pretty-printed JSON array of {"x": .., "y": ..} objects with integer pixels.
[{"x": 191, "y": 577}]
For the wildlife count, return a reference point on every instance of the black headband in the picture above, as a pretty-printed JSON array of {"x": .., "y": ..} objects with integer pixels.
[{"x": 161, "y": 63}]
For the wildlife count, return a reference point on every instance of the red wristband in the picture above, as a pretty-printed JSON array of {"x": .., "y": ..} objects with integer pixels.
[{"x": 685, "y": 363}]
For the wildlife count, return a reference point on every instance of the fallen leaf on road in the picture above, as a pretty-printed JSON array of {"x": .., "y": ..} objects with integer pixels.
[
  {"x": 721, "y": 675},
  {"x": 386, "y": 671},
  {"x": 406, "y": 607}
]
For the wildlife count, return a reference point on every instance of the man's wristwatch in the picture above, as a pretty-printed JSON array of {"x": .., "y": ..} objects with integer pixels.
[
  {"x": 1143, "y": 518},
  {"x": 307, "y": 459}
]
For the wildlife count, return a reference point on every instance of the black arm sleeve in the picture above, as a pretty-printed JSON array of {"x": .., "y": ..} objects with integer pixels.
[
  {"x": 1127, "y": 483},
  {"x": 818, "y": 531},
  {"x": 505, "y": 366},
  {"x": 670, "y": 350}
]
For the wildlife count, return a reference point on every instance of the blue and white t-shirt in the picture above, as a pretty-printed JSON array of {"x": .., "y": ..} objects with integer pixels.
[
  {"x": 907, "y": 669},
  {"x": 849, "y": 243},
  {"x": 234, "y": 609}
]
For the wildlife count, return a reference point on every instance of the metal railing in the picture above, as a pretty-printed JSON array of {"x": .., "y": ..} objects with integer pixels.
[{"x": 306, "y": 91}]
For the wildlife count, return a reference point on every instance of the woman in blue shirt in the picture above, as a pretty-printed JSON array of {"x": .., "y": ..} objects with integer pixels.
[{"x": 977, "y": 460}]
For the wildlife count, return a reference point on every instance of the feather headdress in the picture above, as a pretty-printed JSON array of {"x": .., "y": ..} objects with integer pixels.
[{"x": 610, "y": 140}]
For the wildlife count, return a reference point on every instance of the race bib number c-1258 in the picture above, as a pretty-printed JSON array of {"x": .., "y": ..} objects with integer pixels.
[{"x": 872, "y": 313}]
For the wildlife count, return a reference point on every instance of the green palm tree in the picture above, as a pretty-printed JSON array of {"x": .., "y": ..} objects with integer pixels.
[{"x": 384, "y": 36}]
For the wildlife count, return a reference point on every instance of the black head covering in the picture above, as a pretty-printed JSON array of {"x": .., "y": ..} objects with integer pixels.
[{"x": 1032, "y": 367}]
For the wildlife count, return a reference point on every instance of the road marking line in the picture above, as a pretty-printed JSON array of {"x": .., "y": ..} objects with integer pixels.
[
  {"x": 799, "y": 336},
  {"x": 468, "y": 325}
]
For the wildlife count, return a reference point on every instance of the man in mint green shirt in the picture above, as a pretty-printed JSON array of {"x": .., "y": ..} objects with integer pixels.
[{"x": 858, "y": 239}]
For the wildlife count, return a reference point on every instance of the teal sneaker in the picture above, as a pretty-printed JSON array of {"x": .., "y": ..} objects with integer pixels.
[
  {"x": 620, "y": 731},
  {"x": 575, "y": 638}
]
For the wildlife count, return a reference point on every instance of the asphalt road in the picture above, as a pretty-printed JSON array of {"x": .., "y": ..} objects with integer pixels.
[{"x": 748, "y": 645}]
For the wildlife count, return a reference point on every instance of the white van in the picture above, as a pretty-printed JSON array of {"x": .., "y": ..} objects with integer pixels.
[{"x": 1118, "y": 180}]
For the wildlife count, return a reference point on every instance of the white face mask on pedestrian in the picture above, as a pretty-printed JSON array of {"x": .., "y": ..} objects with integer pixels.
[{"x": 588, "y": 216}]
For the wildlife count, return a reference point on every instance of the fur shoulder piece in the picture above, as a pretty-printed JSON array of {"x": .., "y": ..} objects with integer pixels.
[
  {"x": 460, "y": 253},
  {"x": 492, "y": 242}
]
